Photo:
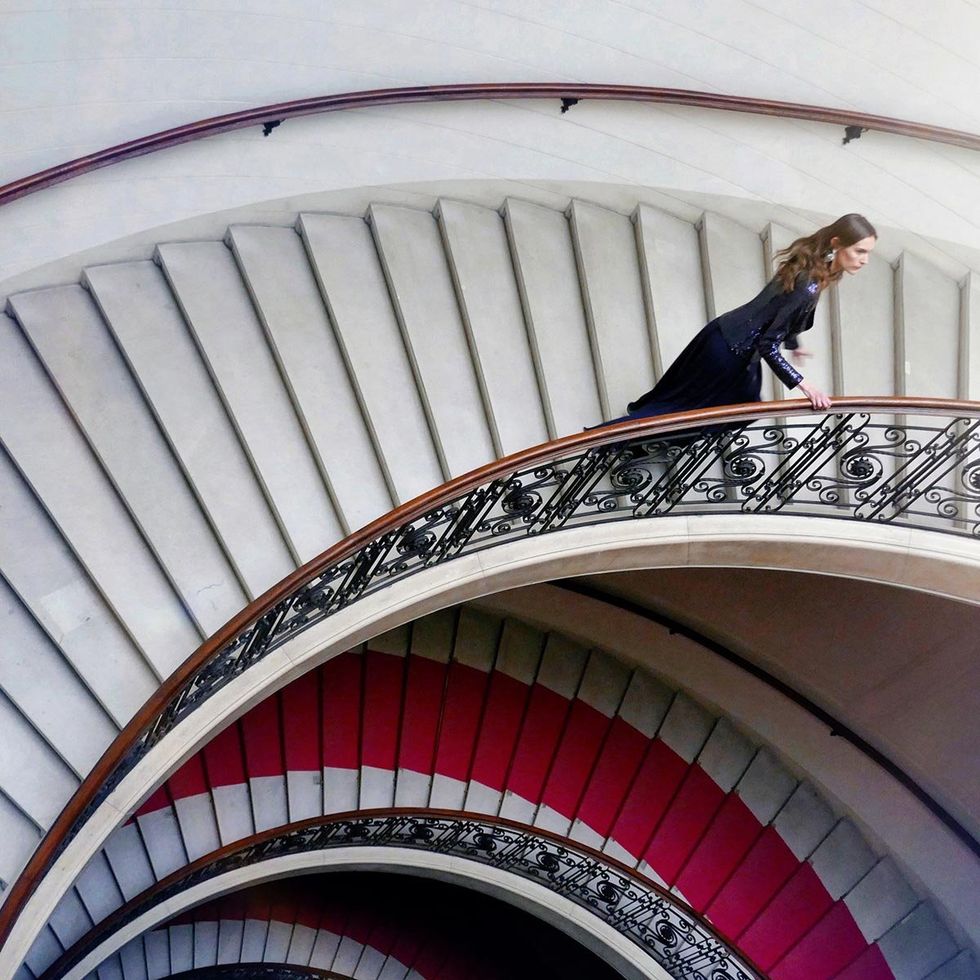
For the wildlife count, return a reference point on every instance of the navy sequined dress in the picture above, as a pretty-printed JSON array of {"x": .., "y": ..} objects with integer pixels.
[{"x": 721, "y": 365}]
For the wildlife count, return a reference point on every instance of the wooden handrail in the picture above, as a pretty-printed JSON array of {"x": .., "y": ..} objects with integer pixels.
[
  {"x": 276, "y": 113},
  {"x": 51, "y": 845}
]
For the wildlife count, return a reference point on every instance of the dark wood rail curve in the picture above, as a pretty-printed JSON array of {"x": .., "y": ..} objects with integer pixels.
[
  {"x": 825, "y": 441},
  {"x": 665, "y": 927},
  {"x": 274, "y": 114}
]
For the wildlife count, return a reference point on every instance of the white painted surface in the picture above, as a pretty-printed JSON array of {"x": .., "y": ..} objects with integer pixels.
[
  {"x": 70, "y": 338},
  {"x": 145, "y": 320},
  {"x": 179, "y": 67},
  {"x": 545, "y": 263},
  {"x": 291, "y": 309},
  {"x": 218, "y": 310},
  {"x": 421, "y": 288},
  {"x": 482, "y": 268}
]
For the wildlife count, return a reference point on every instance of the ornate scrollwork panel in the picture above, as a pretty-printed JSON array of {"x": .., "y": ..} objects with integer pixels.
[{"x": 666, "y": 930}]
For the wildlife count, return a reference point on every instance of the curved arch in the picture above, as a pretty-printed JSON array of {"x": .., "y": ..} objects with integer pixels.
[
  {"x": 272, "y": 115},
  {"x": 642, "y": 930},
  {"x": 133, "y": 764}
]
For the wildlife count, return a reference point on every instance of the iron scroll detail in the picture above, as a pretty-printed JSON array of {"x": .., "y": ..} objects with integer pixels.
[
  {"x": 851, "y": 466},
  {"x": 660, "y": 925}
]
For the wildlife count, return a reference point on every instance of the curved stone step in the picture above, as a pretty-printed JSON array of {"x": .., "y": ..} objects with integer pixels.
[
  {"x": 45, "y": 444},
  {"x": 275, "y": 268},
  {"x": 352, "y": 283},
  {"x": 418, "y": 276},
  {"x": 479, "y": 257},
  {"x": 544, "y": 262},
  {"x": 219, "y": 311},
  {"x": 80, "y": 629},
  {"x": 69, "y": 336},
  {"x": 140, "y": 310},
  {"x": 608, "y": 268}
]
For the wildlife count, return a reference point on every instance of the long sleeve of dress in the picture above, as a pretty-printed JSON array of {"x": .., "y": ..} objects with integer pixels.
[{"x": 793, "y": 317}]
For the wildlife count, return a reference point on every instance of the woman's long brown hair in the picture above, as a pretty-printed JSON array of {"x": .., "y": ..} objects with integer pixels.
[{"x": 810, "y": 254}]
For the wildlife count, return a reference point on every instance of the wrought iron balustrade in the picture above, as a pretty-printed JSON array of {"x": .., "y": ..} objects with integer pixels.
[
  {"x": 852, "y": 466},
  {"x": 662, "y": 926},
  {"x": 858, "y": 464}
]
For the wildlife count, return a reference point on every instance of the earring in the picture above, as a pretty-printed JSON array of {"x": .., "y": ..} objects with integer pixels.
[{"x": 830, "y": 256}]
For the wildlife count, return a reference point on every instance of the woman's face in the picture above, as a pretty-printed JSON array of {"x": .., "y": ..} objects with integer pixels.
[{"x": 852, "y": 258}]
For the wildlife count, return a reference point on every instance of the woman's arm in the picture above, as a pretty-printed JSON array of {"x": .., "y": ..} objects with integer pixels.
[
  {"x": 793, "y": 317},
  {"x": 818, "y": 399}
]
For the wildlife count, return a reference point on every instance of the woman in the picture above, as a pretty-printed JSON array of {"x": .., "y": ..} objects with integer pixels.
[{"x": 720, "y": 366}]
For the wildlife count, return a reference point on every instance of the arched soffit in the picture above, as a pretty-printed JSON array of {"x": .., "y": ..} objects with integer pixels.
[
  {"x": 889, "y": 553},
  {"x": 468, "y": 713},
  {"x": 360, "y": 924},
  {"x": 871, "y": 661},
  {"x": 637, "y": 929}
]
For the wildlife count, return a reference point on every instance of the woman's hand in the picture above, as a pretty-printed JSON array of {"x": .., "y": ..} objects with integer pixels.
[{"x": 817, "y": 398}]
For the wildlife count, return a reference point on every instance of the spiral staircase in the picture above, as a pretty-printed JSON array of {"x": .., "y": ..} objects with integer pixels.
[{"x": 178, "y": 435}]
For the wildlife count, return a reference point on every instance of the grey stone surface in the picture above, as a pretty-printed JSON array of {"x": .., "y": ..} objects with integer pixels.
[
  {"x": 766, "y": 786},
  {"x": 486, "y": 289},
  {"x": 726, "y": 754},
  {"x": 277, "y": 272},
  {"x": 606, "y": 255},
  {"x": 917, "y": 945},
  {"x": 842, "y": 859},
  {"x": 686, "y": 727},
  {"x": 880, "y": 899},
  {"x": 144, "y": 318},
  {"x": 215, "y": 302},
  {"x": 348, "y": 270},
  {"x": 421, "y": 288},
  {"x": 67, "y": 331},
  {"x": 65, "y": 602},
  {"x": 645, "y": 703},
  {"x": 963, "y": 966},
  {"x": 670, "y": 262},
  {"x": 42, "y": 438},
  {"x": 562, "y": 665},
  {"x": 928, "y": 322},
  {"x": 548, "y": 281},
  {"x": 804, "y": 821}
]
